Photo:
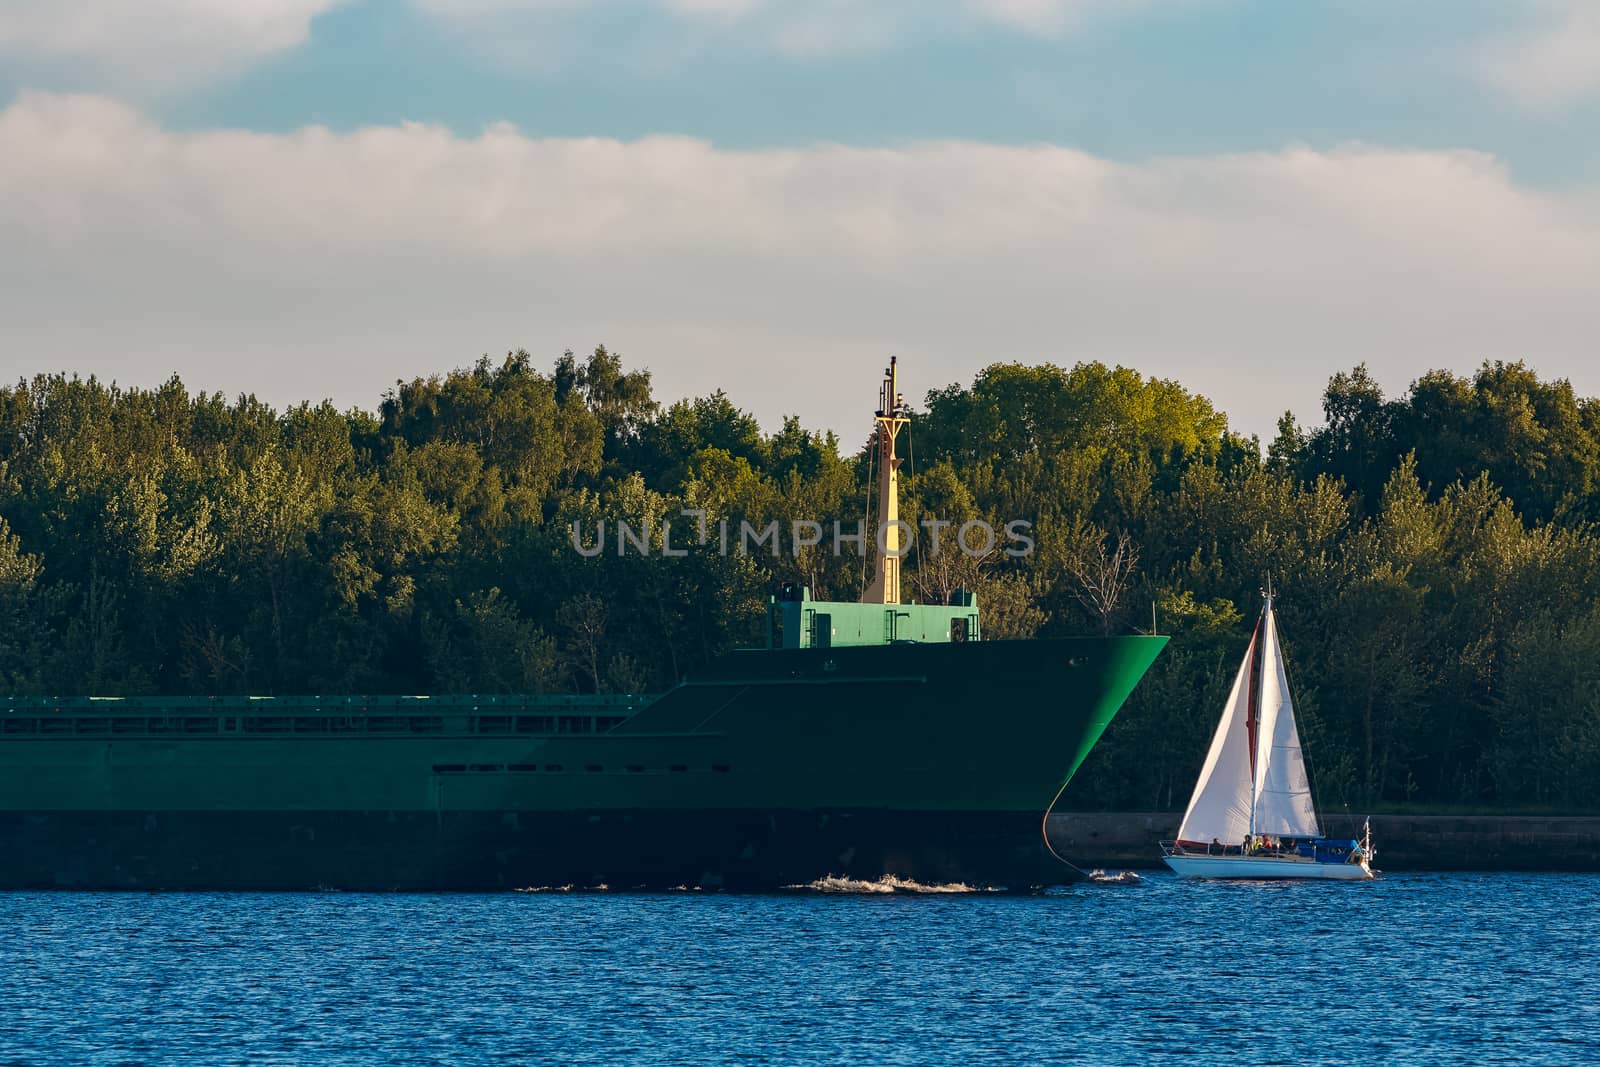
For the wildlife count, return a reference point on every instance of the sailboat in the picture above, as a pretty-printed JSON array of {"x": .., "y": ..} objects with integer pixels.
[{"x": 1251, "y": 815}]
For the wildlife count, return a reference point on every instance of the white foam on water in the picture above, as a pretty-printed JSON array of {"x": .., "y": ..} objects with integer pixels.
[
  {"x": 598, "y": 887},
  {"x": 889, "y": 883},
  {"x": 1100, "y": 877}
]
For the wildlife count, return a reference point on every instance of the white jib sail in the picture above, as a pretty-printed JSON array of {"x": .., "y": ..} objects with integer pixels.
[
  {"x": 1283, "y": 792},
  {"x": 1219, "y": 810}
]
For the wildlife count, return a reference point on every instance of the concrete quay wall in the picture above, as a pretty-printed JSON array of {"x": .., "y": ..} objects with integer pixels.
[{"x": 1402, "y": 842}]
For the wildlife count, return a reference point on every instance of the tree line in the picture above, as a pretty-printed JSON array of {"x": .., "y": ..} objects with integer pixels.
[{"x": 1436, "y": 552}]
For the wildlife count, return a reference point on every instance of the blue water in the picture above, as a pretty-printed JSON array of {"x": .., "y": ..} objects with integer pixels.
[{"x": 1420, "y": 969}]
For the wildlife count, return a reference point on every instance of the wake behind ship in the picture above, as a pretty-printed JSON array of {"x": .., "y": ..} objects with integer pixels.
[{"x": 867, "y": 739}]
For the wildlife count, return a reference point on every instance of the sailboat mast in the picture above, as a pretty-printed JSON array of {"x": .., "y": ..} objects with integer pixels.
[{"x": 1253, "y": 710}]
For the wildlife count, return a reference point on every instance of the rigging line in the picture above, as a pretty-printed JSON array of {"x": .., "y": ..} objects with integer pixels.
[
  {"x": 1311, "y": 783},
  {"x": 866, "y": 516},
  {"x": 911, "y": 472},
  {"x": 1044, "y": 830}
]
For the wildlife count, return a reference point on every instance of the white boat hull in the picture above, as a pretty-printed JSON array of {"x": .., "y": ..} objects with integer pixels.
[{"x": 1265, "y": 867}]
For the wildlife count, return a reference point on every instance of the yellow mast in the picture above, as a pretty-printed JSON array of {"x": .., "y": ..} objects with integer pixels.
[{"x": 890, "y": 416}]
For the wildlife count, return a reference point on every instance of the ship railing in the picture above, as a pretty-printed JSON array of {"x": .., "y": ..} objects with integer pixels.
[{"x": 1197, "y": 848}]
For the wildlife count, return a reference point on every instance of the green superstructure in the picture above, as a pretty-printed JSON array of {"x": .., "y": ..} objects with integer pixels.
[{"x": 807, "y": 623}]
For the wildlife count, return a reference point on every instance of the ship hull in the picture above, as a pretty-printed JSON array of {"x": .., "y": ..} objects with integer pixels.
[
  {"x": 498, "y": 851},
  {"x": 768, "y": 769}
]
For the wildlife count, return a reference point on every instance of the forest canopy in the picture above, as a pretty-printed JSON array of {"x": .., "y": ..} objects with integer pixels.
[{"x": 1436, "y": 551}]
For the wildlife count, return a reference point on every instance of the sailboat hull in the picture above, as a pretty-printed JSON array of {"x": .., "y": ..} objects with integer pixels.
[{"x": 1263, "y": 867}]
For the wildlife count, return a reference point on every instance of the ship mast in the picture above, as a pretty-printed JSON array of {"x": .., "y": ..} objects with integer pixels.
[{"x": 890, "y": 418}]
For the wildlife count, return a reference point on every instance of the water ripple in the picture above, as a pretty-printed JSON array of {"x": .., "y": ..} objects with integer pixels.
[{"x": 1436, "y": 969}]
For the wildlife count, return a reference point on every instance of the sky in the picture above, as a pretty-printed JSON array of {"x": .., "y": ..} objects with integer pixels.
[{"x": 310, "y": 199}]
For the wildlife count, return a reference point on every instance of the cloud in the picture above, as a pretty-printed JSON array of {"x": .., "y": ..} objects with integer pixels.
[
  {"x": 550, "y": 35},
  {"x": 546, "y": 33},
  {"x": 317, "y": 263},
  {"x": 150, "y": 46},
  {"x": 1050, "y": 17},
  {"x": 1554, "y": 64},
  {"x": 469, "y": 9}
]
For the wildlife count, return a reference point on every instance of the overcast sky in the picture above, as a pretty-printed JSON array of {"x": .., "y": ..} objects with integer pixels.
[{"x": 308, "y": 199}]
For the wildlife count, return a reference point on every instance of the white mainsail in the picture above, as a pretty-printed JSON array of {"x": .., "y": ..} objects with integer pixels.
[
  {"x": 1283, "y": 792},
  {"x": 1219, "y": 810}
]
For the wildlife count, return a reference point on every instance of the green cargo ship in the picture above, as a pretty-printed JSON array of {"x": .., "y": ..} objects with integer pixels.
[{"x": 867, "y": 739}]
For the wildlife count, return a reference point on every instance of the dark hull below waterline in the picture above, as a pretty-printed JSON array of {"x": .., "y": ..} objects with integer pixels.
[{"x": 497, "y": 851}]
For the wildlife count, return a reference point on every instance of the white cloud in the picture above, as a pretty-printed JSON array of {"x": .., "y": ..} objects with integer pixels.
[
  {"x": 715, "y": 8},
  {"x": 1552, "y": 65},
  {"x": 1048, "y": 17},
  {"x": 549, "y": 33},
  {"x": 688, "y": 8},
  {"x": 318, "y": 263},
  {"x": 1035, "y": 16},
  {"x": 146, "y": 45},
  {"x": 652, "y": 35}
]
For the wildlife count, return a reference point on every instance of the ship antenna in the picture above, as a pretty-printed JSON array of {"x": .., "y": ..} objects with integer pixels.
[{"x": 890, "y": 419}]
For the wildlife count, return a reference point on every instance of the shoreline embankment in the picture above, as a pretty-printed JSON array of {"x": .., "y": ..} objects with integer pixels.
[{"x": 1402, "y": 842}]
